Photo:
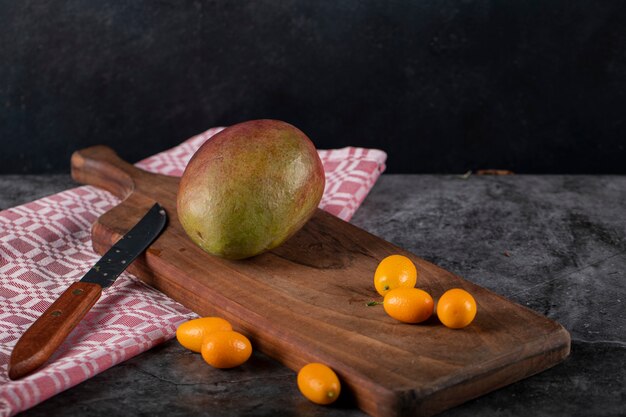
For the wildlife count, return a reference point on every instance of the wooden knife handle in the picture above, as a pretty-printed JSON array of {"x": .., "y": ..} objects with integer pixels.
[
  {"x": 102, "y": 167},
  {"x": 47, "y": 333}
]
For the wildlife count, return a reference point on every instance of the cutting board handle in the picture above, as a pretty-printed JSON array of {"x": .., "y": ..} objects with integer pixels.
[{"x": 102, "y": 167}]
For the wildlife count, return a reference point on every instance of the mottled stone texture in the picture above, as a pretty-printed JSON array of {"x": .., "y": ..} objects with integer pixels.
[{"x": 556, "y": 244}]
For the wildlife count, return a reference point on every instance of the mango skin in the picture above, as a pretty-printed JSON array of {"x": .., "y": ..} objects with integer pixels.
[{"x": 249, "y": 188}]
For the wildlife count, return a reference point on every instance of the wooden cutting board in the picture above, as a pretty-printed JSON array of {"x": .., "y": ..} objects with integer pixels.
[{"x": 306, "y": 302}]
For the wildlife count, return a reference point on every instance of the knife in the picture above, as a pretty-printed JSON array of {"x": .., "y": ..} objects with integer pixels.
[{"x": 49, "y": 331}]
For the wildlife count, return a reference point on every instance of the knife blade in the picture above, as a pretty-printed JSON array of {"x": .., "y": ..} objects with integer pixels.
[{"x": 49, "y": 331}]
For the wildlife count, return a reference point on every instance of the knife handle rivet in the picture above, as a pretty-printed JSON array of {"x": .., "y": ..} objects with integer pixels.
[
  {"x": 77, "y": 291},
  {"x": 56, "y": 313}
]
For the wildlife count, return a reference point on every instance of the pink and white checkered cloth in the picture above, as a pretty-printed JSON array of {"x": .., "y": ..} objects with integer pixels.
[{"x": 46, "y": 245}]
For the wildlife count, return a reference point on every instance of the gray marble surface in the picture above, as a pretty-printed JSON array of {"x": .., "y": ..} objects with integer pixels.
[{"x": 556, "y": 244}]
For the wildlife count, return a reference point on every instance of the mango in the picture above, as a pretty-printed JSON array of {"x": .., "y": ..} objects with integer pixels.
[{"x": 249, "y": 188}]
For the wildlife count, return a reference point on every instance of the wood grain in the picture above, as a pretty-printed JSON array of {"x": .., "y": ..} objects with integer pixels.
[
  {"x": 305, "y": 301},
  {"x": 47, "y": 333}
]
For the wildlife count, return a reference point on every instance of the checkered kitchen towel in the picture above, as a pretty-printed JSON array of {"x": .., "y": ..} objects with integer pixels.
[{"x": 45, "y": 246}]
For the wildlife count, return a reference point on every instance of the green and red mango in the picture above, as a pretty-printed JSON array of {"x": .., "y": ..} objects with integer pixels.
[{"x": 249, "y": 188}]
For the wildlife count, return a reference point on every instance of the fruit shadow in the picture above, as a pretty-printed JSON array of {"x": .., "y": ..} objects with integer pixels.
[{"x": 433, "y": 320}]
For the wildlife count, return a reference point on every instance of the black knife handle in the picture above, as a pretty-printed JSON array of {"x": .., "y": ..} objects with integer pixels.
[{"x": 49, "y": 331}]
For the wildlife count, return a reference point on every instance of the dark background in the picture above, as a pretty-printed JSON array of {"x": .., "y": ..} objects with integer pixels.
[{"x": 442, "y": 86}]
